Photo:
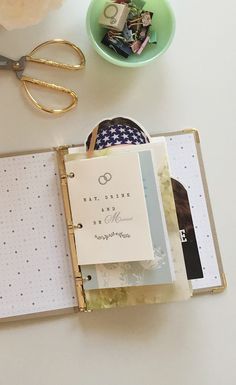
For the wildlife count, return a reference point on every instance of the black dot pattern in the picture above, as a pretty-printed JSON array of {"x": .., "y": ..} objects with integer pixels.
[
  {"x": 36, "y": 273},
  {"x": 185, "y": 167}
]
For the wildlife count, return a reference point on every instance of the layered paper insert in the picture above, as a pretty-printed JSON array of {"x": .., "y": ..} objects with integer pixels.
[
  {"x": 160, "y": 270},
  {"x": 162, "y": 280},
  {"x": 109, "y": 210}
]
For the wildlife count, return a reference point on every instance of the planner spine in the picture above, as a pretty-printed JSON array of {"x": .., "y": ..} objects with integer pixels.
[{"x": 61, "y": 152}]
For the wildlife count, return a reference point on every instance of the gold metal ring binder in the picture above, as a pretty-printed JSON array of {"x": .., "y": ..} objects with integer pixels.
[
  {"x": 70, "y": 175},
  {"x": 61, "y": 152},
  {"x": 74, "y": 227}
]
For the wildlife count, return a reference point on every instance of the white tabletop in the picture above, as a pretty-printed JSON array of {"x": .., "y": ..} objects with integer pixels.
[{"x": 192, "y": 85}]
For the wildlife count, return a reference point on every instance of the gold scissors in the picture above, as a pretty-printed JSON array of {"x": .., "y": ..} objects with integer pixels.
[{"x": 19, "y": 68}]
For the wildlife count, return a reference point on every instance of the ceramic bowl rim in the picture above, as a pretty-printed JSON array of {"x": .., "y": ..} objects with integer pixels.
[{"x": 118, "y": 61}]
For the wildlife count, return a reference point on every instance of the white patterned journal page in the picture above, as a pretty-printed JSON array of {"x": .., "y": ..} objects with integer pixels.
[{"x": 35, "y": 266}]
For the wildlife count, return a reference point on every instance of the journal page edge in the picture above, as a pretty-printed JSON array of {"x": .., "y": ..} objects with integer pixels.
[{"x": 195, "y": 132}]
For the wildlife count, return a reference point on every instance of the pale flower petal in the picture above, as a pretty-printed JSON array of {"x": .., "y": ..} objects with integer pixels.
[{"x": 22, "y": 13}]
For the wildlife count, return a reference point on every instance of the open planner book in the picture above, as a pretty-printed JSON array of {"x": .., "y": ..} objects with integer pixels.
[{"x": 131, "y": 225}]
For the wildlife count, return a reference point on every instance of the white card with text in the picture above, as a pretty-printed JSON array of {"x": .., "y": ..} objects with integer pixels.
[{"x": 108, "y": 205}]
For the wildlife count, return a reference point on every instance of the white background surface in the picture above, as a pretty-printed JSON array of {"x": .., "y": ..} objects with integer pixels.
[{"x": 192, "y": 85}]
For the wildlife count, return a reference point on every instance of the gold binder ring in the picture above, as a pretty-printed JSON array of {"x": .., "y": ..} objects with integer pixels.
[
  {"x": 70, "y": 175},
  {"x": 78, "y": 226}
]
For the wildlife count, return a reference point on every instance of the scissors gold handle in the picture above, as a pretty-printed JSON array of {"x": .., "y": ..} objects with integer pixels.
[
  {"x": 26, "y": 80},
  {"x": 19, "y": 67},
  {"x": 52, "y": 63}
]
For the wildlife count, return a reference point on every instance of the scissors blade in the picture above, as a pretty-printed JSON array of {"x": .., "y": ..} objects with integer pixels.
[
  {"x": 16, "y": 66},
  {"x": 6, "y": 63}
]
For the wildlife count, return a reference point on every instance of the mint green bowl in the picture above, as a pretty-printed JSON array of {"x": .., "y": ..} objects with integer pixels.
[{"x": 163, "y": 23}]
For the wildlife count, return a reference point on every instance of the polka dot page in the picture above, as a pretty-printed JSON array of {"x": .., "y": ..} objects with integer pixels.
[
  {"x": 185, "y": 167},
  {"x": 35, "y": 266}
]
